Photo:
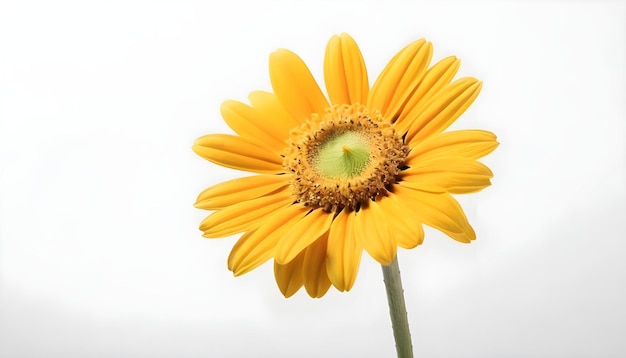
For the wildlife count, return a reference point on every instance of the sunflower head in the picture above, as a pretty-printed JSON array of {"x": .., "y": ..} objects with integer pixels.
[{"x": 361, "y": 169}]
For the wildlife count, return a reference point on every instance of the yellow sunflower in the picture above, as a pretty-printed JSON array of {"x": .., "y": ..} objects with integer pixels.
[{"x": 363, "y": 168}]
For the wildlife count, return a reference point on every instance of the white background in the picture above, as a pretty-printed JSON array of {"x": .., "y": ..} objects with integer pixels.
[{"x": 100, "y": 255}]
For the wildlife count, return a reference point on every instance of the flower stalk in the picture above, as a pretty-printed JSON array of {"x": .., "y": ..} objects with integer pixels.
[{"x": 397, "y": 309}]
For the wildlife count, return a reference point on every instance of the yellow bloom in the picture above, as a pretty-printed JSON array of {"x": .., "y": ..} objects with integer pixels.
[{"x": 361, "y": 169}]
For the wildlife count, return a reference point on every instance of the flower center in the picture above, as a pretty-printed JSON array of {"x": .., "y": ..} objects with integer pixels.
[
  {"x": 343, "y": 158},
  {"x": 343, "y": 155}
]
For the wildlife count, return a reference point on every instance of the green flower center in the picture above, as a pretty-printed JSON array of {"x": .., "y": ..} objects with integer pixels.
[
  {"x": 342, "y": 158},
  {"x": 343, "y": 155}
]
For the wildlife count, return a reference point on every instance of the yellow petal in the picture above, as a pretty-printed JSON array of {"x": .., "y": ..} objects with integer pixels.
[
  {"x": 443, "y": 109},
  {"x": 244, "y": 215},
  {"x": 470, "y": 144},
  {"x": 237, "y": 153},
  {"x": 398, "y": 80},
  {"x": 295, "y": 86},
  {"x": 268, "y": 106},
  {"x": 316, "y": 280},
  {"x": 406, "y": 228},
  {"x": 372, "y": 228},
  {"x": 290, "y": 277},
  {"x": 254, "y": 249},
  {"x": 344, "y": 71},
  {"x": 436, "y": 78},
  {"x": 249, "y": 123},
  {"x": 304, "y": 233},
  {"x": 343, "y": 252},
  {"x": 241, "y": 189},
  {"x": 456, "y": 175},
  {"x": 437, "y": 209}
]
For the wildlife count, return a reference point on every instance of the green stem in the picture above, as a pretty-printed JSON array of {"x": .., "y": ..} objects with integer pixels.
[{"x": 397, "y": 310}]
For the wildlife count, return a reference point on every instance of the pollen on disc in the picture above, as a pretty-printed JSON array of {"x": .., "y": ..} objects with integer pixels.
[{"x": 343, "y": 158}]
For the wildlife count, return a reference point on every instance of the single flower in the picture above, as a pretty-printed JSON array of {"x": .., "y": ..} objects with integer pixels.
[{"x": 363, "y": 168}]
